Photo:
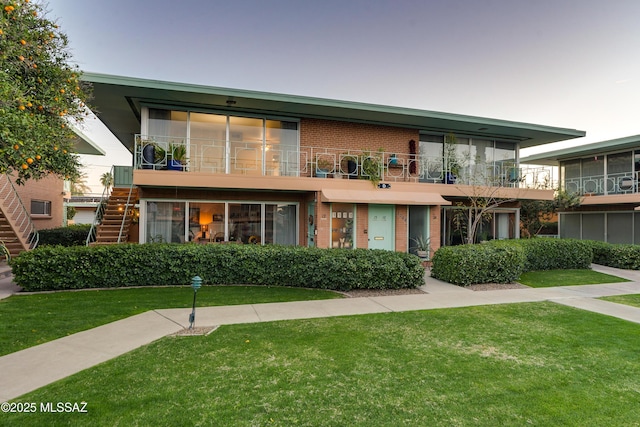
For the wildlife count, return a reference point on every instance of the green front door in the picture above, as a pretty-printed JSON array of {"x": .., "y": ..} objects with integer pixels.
[{"x": 381, "y": 227}]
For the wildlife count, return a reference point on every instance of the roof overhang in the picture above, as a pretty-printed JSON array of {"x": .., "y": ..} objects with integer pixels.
[
  {"x": 384, "y": 197},
  {"x": 85, "y": 145},
  {"x": 118, "y": 101},
  {"x": 586, "y": 150}
]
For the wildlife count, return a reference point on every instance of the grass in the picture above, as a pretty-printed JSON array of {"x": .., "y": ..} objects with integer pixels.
[
  {"x": 29, "y": 320},
  {"x": 633, "y": 300},
  {"x": 517, "y": 364},
  {"x": 549, "y": 278}
]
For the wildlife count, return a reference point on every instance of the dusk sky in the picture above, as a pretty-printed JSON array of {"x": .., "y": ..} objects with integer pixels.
[{"x": 566, "y": 63}]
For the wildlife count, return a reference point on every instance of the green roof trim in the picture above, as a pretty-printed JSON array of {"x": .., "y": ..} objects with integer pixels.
[
  {"x": 118, "y": 100},
  {"x": 602, "y": 147}
]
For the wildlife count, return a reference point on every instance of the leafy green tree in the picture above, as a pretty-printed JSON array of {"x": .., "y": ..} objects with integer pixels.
[
  {"x": 534, "y": 213},
  {"x": 40, "y": 95}
]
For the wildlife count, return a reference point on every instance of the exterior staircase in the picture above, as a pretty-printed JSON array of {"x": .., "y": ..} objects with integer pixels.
[
  {"x": 17, "y": 232},
  {"x": 117, "y": 216}
]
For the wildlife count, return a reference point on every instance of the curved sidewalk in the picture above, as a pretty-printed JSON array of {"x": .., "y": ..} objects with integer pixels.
[{"x": 35, "y": 367}]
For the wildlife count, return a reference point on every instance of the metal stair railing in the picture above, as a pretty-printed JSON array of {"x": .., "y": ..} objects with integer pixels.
[
  {"x": 128, "y": 210},
  {"x": 17, "y": 213},
  {"x": 97, "y": 218}
]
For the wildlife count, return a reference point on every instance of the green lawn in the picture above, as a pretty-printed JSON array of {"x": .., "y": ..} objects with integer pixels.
[
  {"x": 538, "y": 364},
  {"x": 549, "y": 278},
  {"x": 28, "y": 320},
  {"x": 633, "y": 300}
]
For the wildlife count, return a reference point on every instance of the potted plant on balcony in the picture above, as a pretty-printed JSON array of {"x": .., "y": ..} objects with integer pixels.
[
  {"x": 349, "y": 165},
  {"x": 422, "y": 246},
  {"x": 177, "y": 157},
  {"x": 323, "y": 167},
  {"x": 372, "y": 166},
  {"x": 160, "y": 160}
]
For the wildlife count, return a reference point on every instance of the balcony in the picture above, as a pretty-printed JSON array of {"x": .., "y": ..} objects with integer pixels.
[
  {"x": 250, "y": 158},
  {"x": 604, "y": 185}
]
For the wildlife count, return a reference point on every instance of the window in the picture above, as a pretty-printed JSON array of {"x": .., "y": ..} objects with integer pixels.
[
  {"x": 40, "y": 207},
  {"x": 221, "y": 143}
]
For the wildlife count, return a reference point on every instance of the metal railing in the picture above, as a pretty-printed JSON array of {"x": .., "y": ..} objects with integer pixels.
[
  {"x": 613, "y": 183},
  {"x": 100, "y": 210},
  {"x": 14, "y": 209},
  {"x": 265, "y": 159}
]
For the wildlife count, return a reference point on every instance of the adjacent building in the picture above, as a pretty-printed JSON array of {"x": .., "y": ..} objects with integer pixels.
[
  {"x": 215, "y": 165},
  {"x": 606, "y": 173}
]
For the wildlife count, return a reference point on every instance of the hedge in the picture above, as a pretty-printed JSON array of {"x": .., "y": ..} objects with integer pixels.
[
  {"x": 555, "y": 254},
  {"x": 503, "y": 261},
  {"x": 73, "y": 235},
  {"x": 156, "y": 264},
  {"x": 484, "y": 263},
  {"x": 624, "y": 256}
]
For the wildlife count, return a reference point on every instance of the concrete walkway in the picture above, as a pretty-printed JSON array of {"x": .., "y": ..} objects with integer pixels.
[{"x": 35, "y": 367}]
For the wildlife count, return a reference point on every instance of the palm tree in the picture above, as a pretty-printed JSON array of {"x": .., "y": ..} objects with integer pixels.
[
  {"x": 79, "y": 186},
  {"x": 106, "y": 179}
]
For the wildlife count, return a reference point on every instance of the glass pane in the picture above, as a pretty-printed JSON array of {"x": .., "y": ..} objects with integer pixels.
[
  {"x": 593, "y": 226},
  {"x": 570, "y": 172},
  {"x": 619, "y": 226},
  {"x": 620, "y": 177},
  {"x": 281, "y": 151},
  {"x": 418, "y": 225},
  {"x": 280, "y": 224},
  {"x": 245, "y": 223},
  {"x": 342, "y": 225},
  {"x": 167, "y": 125},
  {"x": 206, "y": 222},
  {"x": 431, "y": 158},
  {"x": 505, "y": 158},
  {"x": 246, "y": 139},
  {"x": 569, "y": 226},
  {"x": 481, "y": 161},
  {"x": 593, "y": 175},
  {"x": 208, "y": 136},
  {"x": 165, "y": 222},
  {"x": 636, "y": 228}
]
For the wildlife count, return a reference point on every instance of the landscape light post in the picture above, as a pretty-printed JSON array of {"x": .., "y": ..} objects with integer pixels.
[{"x": 196, "y": 283}]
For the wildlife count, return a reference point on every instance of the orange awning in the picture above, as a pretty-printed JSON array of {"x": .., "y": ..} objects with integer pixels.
[{"x": 382, "y": 196}]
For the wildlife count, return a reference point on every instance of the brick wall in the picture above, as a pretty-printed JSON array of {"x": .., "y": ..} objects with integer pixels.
[
  {"x": 48, "y": 189},
  {"x": 355, "y": 136}
]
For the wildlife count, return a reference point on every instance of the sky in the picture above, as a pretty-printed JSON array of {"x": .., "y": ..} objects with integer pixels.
[{"x": 566, "y": 63}]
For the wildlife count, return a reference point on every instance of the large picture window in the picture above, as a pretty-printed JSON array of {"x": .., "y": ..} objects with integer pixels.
[
  {"x": 215, "y": 222},
  {"x": 221, "y": 143}
]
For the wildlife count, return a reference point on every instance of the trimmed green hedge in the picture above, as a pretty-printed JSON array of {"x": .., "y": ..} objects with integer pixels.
[
  {"x": 73, "y": 235},
  {"x": 555, "y": 254},
  {"x": 502, "y": 261},
  {"x": 624, "y": 256},
  {"x": 53, "y": 268},
  {"x": 485, "y": 263}
]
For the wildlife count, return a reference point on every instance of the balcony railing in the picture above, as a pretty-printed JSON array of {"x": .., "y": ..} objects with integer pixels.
[
  {"x": 613, "y": 183},
  {"x": 279, "y": 159}
]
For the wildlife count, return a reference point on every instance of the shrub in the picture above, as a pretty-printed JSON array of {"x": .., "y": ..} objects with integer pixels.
[
  {"x": 51, "y": 268},
  {"x": 624, "y": 256},
  {"x": 552, "y": 254},
  {"x": 502, "y": 261},
  {"x": 73, "y": 235},
  {"x": 485, "y": 263}
]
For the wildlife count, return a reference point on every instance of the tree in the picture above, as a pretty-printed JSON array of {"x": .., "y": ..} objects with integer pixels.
[
  {"x": 106, "y": 179},
  {"x": 40, "y": 95},
  {"x": 533, "y": 213},
  {"x": 79, "y": 185},
  {"x": 483, "y": 187}
]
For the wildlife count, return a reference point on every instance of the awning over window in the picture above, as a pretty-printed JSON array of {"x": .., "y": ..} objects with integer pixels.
[{"x": 382, "y": 196}]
